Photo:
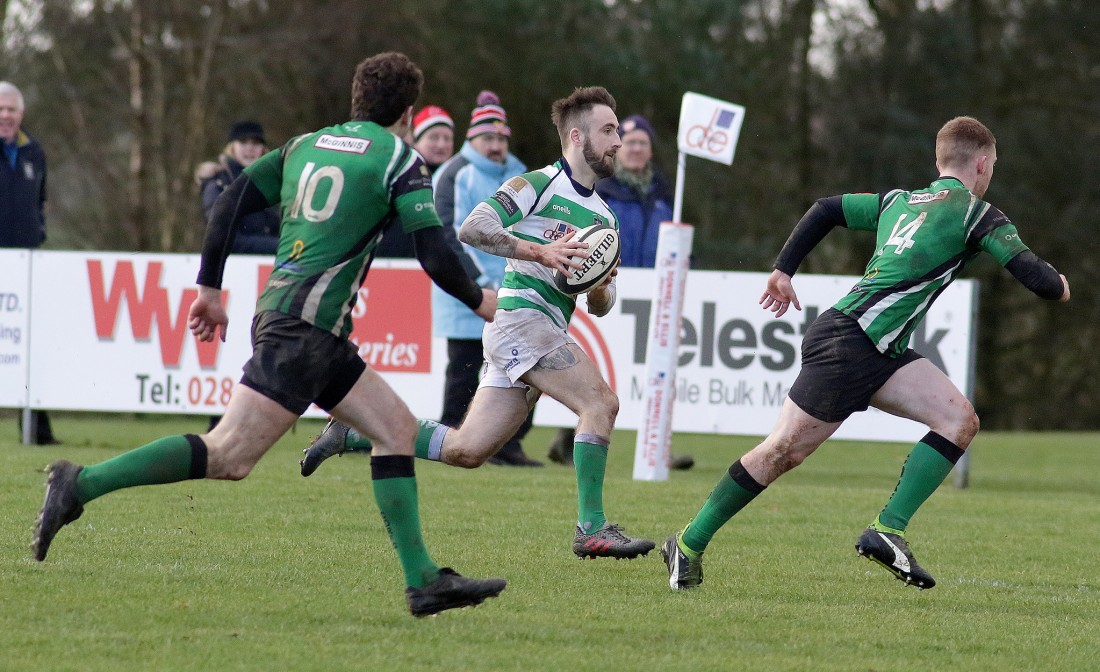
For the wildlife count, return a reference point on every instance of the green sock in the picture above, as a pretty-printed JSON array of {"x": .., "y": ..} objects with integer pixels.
[
  {"x": 395, "y": 493},
  {"x": 736, "y": 489},
  {"x": 167, "y": 460},
  {"x": 928, "y": 464},
  {"x": 590, "y": 461},
  {"x": 356, "y": 441},
  {"x": 429, "y": 439}
]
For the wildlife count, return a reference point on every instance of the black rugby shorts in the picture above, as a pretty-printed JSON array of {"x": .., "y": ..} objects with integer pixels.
[
  {"x": 296, "y": 364},
  {"x": 841, "y": 368}
]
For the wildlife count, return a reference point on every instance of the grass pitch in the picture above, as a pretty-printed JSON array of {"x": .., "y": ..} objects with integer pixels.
[{"x": 283, "y": 573}]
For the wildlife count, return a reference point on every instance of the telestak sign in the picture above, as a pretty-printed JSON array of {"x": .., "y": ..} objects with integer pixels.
[{"x": 709, "y": 127}]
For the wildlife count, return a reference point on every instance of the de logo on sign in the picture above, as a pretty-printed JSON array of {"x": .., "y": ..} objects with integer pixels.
[{"x": 709, "y": 127}]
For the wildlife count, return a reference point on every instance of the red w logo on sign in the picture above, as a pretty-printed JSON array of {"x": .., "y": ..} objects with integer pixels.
[{"x": 143, "y": 306}]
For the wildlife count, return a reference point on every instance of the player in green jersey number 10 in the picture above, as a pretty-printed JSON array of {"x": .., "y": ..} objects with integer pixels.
[
  {"x": 857, "y": 353},
  {"x": 342, "y": 185}
]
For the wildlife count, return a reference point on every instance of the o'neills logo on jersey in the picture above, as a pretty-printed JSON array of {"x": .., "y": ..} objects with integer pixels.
[
  {"x": 342, "y": 143},
  {"x": 917, "y": 199}
]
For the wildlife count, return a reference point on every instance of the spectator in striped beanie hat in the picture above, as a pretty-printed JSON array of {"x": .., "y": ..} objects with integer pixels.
[{"x": 488, "y": 117}]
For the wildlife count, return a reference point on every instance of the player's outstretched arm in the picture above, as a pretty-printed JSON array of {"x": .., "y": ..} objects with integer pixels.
[
  {"x": 822, "y": 217},
  {"x": 1038, "y": 276},
  {"x": 779, "y": 295},
  {"x": 207, "y": 314},
  {"x": 239, "y": 199}
]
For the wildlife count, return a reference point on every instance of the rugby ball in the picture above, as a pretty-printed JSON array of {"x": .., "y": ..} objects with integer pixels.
[{"x": 603, "y": 255}]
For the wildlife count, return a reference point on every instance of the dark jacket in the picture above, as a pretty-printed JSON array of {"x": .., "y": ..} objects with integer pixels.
[
  {"x": 23, "y": 194},
  {"x": 395, "y": 243},
  {"x": 259, "y": 231},
  {"x": 639, "y": 216}
]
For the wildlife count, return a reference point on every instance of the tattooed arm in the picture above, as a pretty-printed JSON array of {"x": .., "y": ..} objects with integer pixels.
[{"x": 484, "y": 230}]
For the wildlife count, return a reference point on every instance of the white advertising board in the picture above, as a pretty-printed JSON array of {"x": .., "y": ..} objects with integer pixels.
[
  {"x": 113, "y": 336},
  {"x": 108, "y": 333},
  {"x": 15, "y": 301},
  {"x": 737, "y": 361}
]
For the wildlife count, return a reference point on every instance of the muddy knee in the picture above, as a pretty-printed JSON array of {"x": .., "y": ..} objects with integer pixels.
[{"x": 963, "y": 425}]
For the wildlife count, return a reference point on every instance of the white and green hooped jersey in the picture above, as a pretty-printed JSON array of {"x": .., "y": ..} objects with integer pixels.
[{"x": 542, "y": 206}]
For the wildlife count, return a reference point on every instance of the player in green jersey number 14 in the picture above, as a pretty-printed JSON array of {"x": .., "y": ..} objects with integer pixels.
[
  {"x": 857, "y": 353},
  {"x": 342, "y": 185}
]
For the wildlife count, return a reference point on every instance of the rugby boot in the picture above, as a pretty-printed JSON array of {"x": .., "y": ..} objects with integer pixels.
[
  {"x": 451, "y": 591},
  {"x": 60, "y": 508},
  {"x": 685, "y": 570},
  {"x": 609, "y": 541},
  {"x": 331, "y": 441},
  {"x": 892, "y": 552}
]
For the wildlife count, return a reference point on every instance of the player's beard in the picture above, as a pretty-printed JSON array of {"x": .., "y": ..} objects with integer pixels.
[{"x": 602, "y": 166}]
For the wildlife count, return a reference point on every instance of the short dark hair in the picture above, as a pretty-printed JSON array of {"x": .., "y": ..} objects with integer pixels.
[
  {"x": 961, "y": 140},
  {"x": 571, "y": 111},
  {"x": 385, "y": 85}
]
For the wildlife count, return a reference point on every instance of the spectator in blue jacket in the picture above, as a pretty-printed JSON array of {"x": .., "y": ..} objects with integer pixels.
[
  {"x": 22, "y": 204},
  {"x": 22, "y": 176},
  {"x": 640, "y": 197},
  {"x": 476, "y": 172},
  {"x": 637, "y": 193}
]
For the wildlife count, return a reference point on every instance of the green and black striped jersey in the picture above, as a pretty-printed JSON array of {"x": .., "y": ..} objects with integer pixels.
[
  {"x": 337, "y": 189},
  {"x": 925, "y": 239},
  {"x": 542, "y": 206}
]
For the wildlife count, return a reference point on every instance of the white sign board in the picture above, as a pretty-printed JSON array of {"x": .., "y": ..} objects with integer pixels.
[
  {"x": 737, "y": 361},
  {"x": 113, "y": 335},
  {"x": 108, "y": 332},
  {"x": 15, "y": 301},
  {"x": 709, "y": 127}
]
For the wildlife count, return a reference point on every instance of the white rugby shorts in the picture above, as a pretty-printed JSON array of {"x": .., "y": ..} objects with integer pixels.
[{"x": 514, "y": 342}]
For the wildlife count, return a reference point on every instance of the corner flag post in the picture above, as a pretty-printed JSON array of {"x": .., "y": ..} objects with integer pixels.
[{"x": 709, "y": 128}]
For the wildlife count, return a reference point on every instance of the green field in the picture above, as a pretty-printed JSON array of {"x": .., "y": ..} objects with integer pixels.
[{"x": 283, "y": 573}]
